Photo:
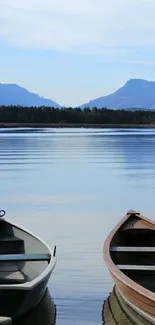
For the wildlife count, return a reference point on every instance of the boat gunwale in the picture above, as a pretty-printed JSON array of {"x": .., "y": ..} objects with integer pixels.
[
  {"x": 31, "y": 284},
  {"x": 114, "y": 270}
]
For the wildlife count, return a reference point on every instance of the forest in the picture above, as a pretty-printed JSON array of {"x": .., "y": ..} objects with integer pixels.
[{"x": 50, "y": 115}]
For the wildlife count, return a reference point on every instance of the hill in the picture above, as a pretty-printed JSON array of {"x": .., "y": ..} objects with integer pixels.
[
  {"x": 135, "y": 94},
  {"x": 12, "y": 94}
]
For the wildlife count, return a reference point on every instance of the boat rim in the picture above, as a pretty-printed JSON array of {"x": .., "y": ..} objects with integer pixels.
[{"x": 31, "y": 284}]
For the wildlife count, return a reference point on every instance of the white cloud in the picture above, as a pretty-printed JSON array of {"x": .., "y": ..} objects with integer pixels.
[{"x": 84, "y": 26}]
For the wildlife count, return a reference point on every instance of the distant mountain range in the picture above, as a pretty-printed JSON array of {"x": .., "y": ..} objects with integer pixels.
[
  {"x": 12, "y": 94},
  {"x": 135, "y": 94}
]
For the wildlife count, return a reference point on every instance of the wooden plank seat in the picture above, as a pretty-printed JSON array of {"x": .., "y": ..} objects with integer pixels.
[
  {"x": 132, "y": 249},
  {"x": 24, "y": 257},
  {"x": 136, "y": 267}
]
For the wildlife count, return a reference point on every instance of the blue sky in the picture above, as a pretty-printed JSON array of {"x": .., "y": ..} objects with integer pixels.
[{"x": 75, "y": 50}]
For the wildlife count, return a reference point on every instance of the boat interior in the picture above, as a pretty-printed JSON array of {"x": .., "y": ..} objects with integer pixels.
[
  {"x": 132, "y": 249},
  {"x": 22, "y": 256}
]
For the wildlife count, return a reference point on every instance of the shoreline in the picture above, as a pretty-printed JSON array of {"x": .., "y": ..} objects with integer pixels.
[{"x": 74, "y": 125}]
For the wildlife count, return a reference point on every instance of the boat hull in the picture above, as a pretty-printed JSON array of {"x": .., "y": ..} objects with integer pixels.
[
  {"x": 142, "y": 302},
  {"x": 118, "y": 310},
  {"x": 15, "y": 303},
  {"x": 140, "y": 312}
]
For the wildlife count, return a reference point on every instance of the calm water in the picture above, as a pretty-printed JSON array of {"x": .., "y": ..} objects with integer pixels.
[{"x": 71, "y": 186}]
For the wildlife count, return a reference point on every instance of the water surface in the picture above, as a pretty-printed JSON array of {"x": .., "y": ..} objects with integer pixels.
[{"x": 71, "y": 186}]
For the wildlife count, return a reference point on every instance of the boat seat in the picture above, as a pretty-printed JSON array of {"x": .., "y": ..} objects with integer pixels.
[
  {"x": 10, "y": 239},
  {"x": 10, "y": 273},
  {"x": 136, "y": 267},
  {"x": 132, "y": 249},
  {"x": 8, "y": 277},
  {"x": 24, "y": 257}
]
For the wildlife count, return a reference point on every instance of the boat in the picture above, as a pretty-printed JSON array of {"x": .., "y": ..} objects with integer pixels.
[
  {"x": 129, "y": 253},
  {"x": 26, "y": 263}
]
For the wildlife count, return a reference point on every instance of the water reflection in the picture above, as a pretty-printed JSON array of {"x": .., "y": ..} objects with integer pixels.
[
  {"x": 113, "y": 149},
  {"x": 116, "y": 311},
  {"x": 43, "y": 314},
  {"x": 20, "y": 130}
]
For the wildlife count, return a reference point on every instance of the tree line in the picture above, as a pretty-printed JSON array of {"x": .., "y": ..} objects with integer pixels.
[{"x": 19, "y": 114}]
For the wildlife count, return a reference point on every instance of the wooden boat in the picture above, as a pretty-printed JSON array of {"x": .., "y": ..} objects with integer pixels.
[
  {"x": 129, "y": 252},
  {"x": 26, "y": 263}
]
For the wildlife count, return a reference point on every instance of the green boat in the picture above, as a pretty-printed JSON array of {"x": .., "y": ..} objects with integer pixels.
[{"x": 26, "y": 264}]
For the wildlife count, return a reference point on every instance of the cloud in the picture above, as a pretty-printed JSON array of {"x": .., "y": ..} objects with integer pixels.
[{"x": 80, "y": 26}]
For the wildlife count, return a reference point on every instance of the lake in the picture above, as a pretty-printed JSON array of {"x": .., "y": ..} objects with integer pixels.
[{"x": 71, "y": 186}]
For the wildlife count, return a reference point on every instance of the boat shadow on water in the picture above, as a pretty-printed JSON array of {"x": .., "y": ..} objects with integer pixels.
[
  {"x": 43, "y": 314},
  {"x": 115, "y": 311}
]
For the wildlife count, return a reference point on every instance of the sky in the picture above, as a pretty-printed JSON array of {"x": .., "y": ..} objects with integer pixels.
[{"x": 72, "y": 51}]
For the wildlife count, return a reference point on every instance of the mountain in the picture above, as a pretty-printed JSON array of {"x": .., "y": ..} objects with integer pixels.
[
  {"x": 12, "y": 94},
  {"x": 136, "y": 93}
]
